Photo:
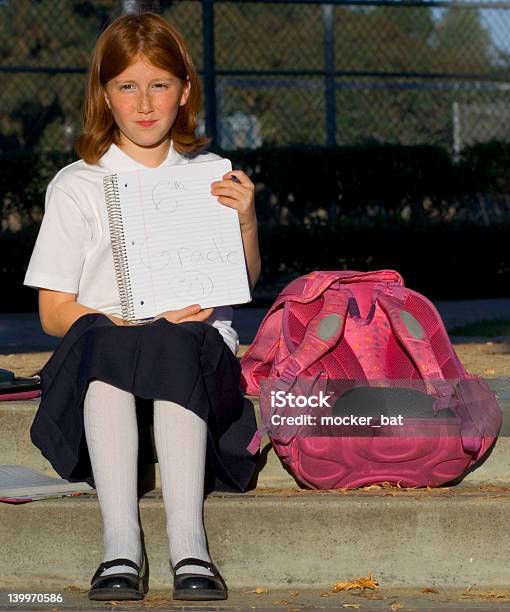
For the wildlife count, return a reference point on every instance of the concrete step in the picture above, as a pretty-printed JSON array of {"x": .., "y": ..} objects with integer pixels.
[
  {"x": 287, "y": 599},
  {"x": 16, "y": 446},
  {"x": 299, "y": 539}
]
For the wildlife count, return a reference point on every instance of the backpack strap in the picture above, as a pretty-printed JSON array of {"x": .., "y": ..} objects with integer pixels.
[
  {"x": 354, "y": 311},
  {"x": 412, "y": 336},
  {"x": 322, "y": 334}
]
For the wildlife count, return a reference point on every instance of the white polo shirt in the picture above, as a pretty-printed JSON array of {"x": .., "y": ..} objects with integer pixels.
[{"x": 73, "y": 252}]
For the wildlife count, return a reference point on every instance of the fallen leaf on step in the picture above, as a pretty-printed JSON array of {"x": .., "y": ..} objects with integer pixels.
[
  {"x": 373, "y": 487},
  {"x": 429, "y": 590},
  {"x": 365, "y": 582},
  {"x": 152, "y": 601},
  {"x": 323, "y": 594},
  {"x": 357, "y": 606},
  {"x": 489, "y": 371},
  {"x": 294, "y": 593},
  {"x": 396, "y": 606},
  {"x": 389, "y": 485},
  {"x": 258, "y": 591},
  {"x": 71, "y": 588}
]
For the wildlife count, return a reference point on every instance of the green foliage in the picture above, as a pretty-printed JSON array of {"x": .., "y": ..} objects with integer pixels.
[
  {"x": 445, "y": 261},
  {"x": 487, "y": 168},
  {"x": 415, "y": 183},
  {"x": 15, "y": 251},
  {"x": 39, "y": 108},
  {"x": 457, "y": 28}
]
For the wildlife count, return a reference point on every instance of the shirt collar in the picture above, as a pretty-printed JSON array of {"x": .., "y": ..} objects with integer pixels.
[{"x": 116, "y": 160}]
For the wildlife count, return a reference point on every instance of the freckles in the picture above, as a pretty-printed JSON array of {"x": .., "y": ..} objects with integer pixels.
[
  {"x": 125, "y": 105},
  {"x": 169, "y": 104}
]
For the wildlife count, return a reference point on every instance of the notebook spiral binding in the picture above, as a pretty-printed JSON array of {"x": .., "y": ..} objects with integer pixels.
[{"x": 118, "y": 242}]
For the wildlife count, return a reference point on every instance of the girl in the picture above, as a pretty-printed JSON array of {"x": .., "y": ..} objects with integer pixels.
[{"x": 140, "y": 111}]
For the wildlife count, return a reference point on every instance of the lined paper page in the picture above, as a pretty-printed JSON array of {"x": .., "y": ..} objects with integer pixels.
[
  {"x": 18, "y": 481},
  {"x": 183, "y": 247}
]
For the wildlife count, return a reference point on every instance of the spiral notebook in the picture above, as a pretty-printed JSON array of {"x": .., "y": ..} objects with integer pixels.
[{"x": 173, "y": 243}]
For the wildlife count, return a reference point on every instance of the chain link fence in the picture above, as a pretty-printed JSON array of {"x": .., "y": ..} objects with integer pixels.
[{"x": 278, "y": 72}]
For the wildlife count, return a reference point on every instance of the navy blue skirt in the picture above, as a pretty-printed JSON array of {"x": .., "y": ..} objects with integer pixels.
[{"x": 188, "y": 363}]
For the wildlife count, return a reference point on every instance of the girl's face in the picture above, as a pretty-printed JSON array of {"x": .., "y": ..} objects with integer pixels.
[{"x": 144, "y": 101}]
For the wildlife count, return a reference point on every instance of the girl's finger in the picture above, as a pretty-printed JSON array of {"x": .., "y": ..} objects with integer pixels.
[
  {"x": 229, "y": 191},
  {"x": 236, "y": 176},
  {"x": 200, "y": 316},
  {"x": 188, "y": 310}
]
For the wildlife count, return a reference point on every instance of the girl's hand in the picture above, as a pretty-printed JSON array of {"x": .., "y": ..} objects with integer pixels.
[
  {"x": 239, "y": 195},
  {"x": 190, "y": 313}
]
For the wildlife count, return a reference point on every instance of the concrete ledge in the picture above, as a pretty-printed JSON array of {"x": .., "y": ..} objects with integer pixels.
[
  {"x": 305, "y": 540},
  {"x": 16, "y": 446}
]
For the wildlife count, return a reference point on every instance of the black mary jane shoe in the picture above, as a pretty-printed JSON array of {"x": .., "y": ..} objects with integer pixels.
[
  {"x": 198, "y": 587},
  {"x": 122, "y": 585}
]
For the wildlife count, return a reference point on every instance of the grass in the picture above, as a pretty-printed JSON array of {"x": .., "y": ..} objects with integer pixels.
[{"x": 489, "y": 329}]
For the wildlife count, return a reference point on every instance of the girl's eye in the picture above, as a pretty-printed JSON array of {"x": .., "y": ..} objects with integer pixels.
[{"x": 128, "y": 86}]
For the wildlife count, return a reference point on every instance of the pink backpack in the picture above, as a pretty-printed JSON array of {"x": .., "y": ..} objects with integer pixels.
[{"x": 359, "y": 384}]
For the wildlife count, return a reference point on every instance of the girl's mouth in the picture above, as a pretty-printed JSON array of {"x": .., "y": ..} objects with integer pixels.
[{"x": 146, "y": 123}]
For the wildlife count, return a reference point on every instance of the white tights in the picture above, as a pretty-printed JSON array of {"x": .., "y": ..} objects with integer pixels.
[{"x": 111, "y": 433}]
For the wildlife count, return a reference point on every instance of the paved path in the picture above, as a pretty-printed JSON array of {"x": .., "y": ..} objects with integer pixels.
[{"x": 22, "y": 332}]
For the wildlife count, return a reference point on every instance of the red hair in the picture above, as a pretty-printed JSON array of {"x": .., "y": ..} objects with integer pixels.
[{"x": 127, "y": 39}]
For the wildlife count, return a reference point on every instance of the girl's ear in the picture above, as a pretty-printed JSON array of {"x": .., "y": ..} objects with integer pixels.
[{"x": 185, "y": 92}]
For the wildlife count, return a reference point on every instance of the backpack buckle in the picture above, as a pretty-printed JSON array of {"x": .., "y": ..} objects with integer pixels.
[
  {"x": 444, "y": 392},
  {"x": 289, "y": 373},
  {"x": 287, "y": 377}
]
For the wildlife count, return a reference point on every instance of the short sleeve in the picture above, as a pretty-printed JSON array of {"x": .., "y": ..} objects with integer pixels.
[
  {"x": 60, "y": 248},
  {"x": 221, "y": 318}
]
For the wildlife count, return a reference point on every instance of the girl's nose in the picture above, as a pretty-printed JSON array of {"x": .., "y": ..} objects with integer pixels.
[{"x": 144, "y": 102}]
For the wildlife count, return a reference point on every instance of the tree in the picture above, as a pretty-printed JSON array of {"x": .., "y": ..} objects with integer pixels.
[
  {"x": 40, "y": 34},
  {"x": 462, "y": 43}
]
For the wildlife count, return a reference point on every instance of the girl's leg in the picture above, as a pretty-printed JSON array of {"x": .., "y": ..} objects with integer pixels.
[
  {"x": 111, "y": 432},
  {"x": 181, "y": 436}
]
